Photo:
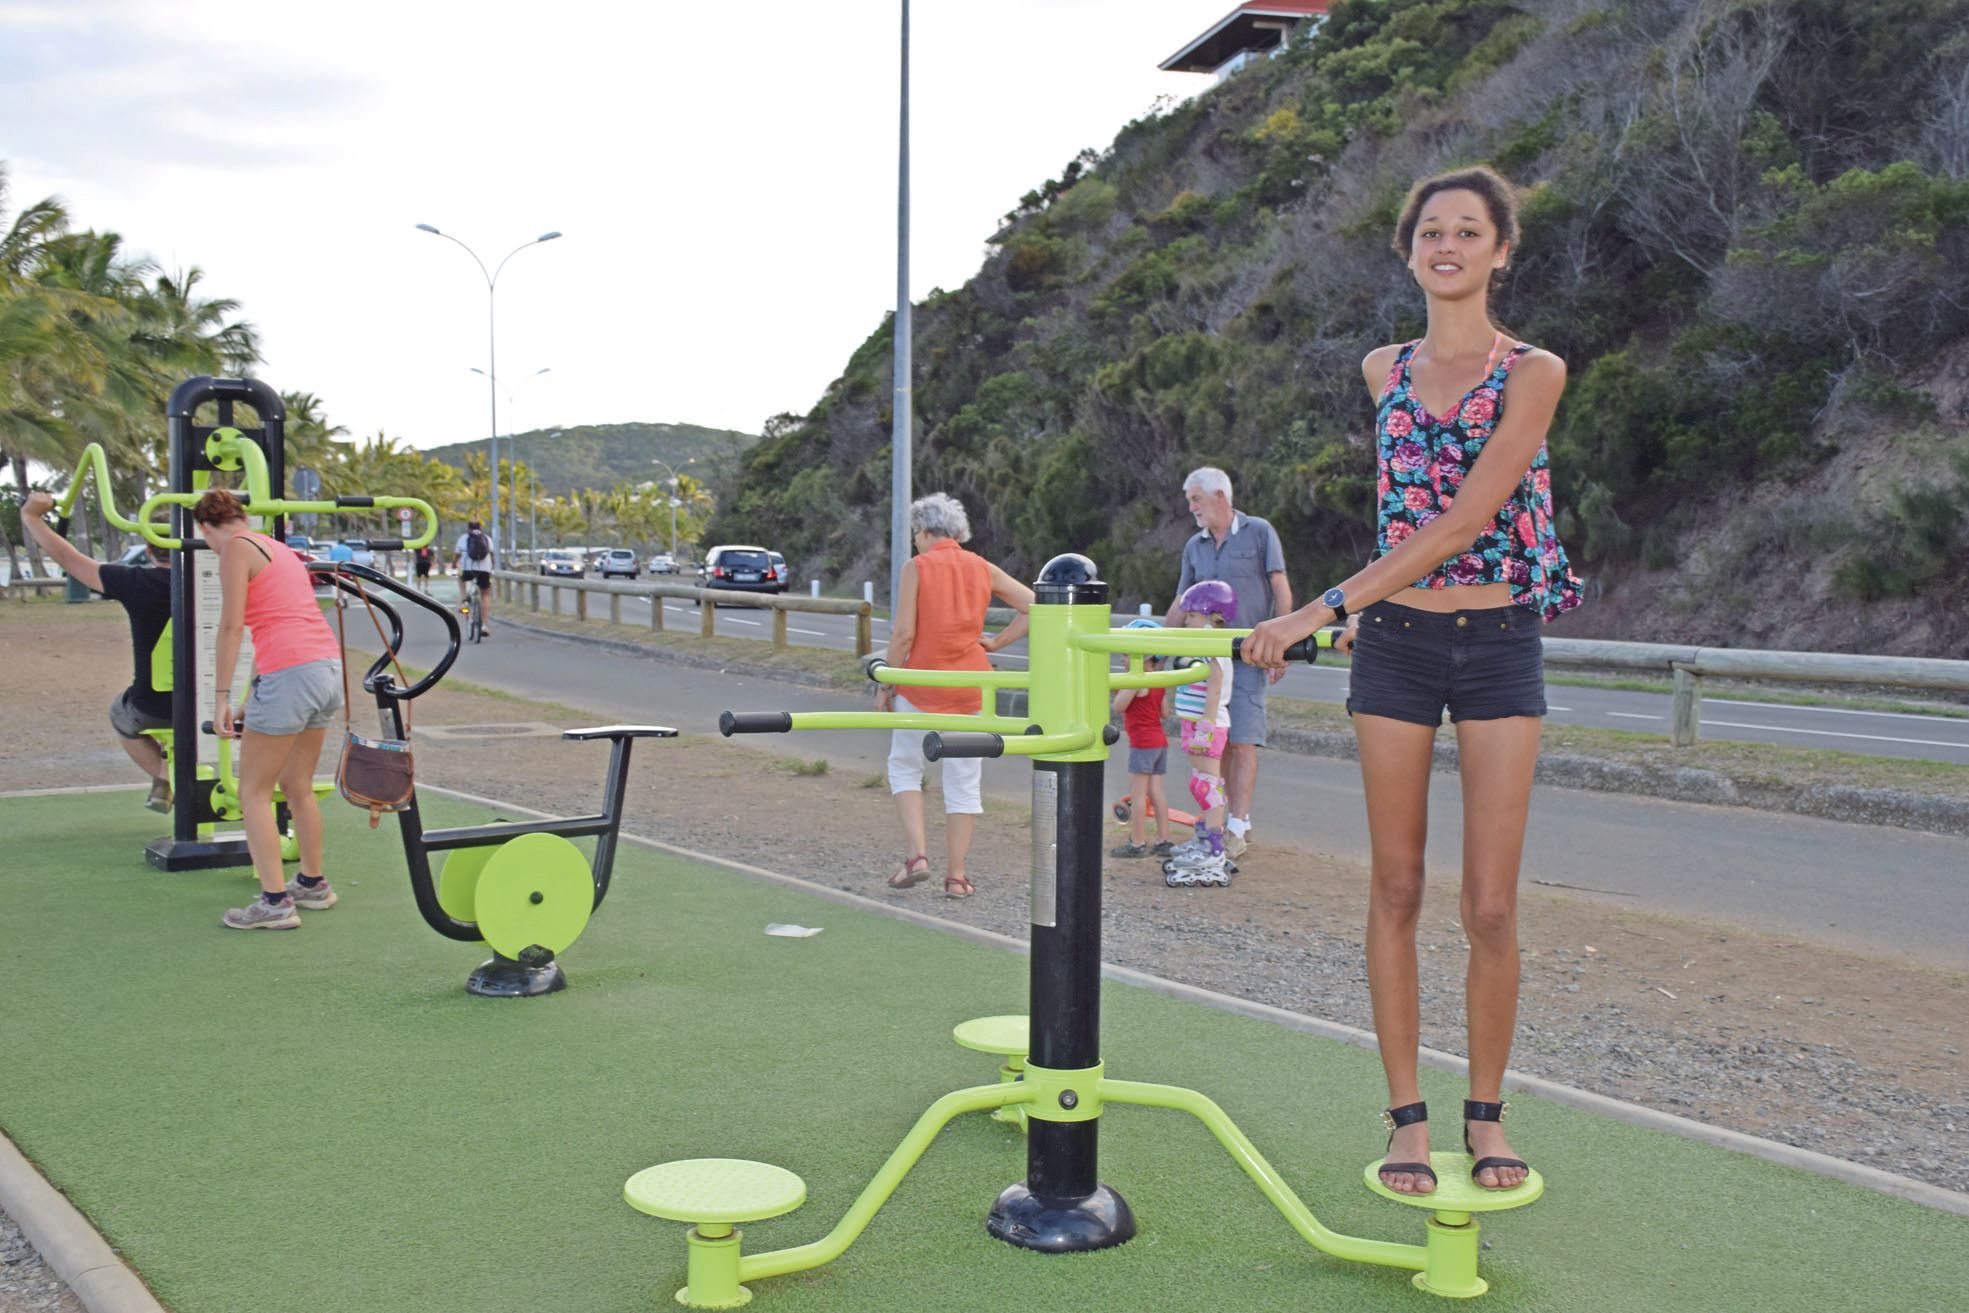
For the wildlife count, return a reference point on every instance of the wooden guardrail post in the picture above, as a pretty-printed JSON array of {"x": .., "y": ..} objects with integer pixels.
[
  {"x": 707, "y": 611},
  {"x": 779, "y": 629},
  {"x": 656, "y": 613},
  {"x": 615, "y": 608},
  {"x": 581, "y": 604},
  {"x": 533, "y": 588},
  {"x": 1685, "y": 714},
  {"x": 864, "y": 630}
]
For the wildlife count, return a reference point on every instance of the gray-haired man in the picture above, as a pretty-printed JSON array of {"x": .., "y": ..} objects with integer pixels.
[{"x": 1243, "y": 551}]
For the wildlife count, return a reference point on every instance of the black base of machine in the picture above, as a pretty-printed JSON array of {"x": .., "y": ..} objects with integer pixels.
[
  {"x": 168, "y": 854},
  {"x": 1100, "y": 1220},
  {"x": 502, "y": 977}
]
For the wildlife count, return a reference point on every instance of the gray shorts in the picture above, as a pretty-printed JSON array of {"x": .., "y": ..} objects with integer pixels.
[
  {"x": 1248, "y": 685},
  {"x": 129, "y": 720},
  {"x": 298, "y": 698},
  {"x": 1148, "y": 761}
]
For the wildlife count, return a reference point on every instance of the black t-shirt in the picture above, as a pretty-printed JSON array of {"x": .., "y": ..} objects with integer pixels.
[{"x": 145, "y": 592}]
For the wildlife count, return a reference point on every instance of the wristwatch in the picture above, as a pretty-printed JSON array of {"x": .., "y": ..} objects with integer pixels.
[{"x": 1336, "y": 601}]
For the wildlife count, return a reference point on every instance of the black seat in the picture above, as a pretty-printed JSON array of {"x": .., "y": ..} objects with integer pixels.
[{"x": 621, "y": 732}]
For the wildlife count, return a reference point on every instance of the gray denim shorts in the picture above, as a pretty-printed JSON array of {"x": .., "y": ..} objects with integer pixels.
[
  {"x": 129, "y": 720},
  {"x": 1148, "y": 761},
  {"x": 1248, "y": 685},
  {"x": 297, "y": 698}
]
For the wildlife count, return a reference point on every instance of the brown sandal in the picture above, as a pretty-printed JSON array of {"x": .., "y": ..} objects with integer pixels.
[
  {"x": 956, "y": 886},
  {"x": 913, "y": 871}
]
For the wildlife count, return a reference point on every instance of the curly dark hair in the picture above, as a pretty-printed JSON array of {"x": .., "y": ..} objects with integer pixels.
[{"x": 1499, "y": 196}]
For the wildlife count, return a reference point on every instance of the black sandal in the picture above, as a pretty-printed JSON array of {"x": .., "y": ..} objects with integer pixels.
[
  {"x": 1394, "y": 1119},
  {"x": 1476, "y": 1110}
]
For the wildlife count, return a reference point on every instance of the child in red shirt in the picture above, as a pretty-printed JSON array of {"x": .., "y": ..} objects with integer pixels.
[{"x": 1140, "y": 710}]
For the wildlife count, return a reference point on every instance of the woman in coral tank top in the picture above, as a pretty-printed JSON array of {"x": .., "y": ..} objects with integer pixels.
[
  {"x": 939, "y": 625},
  {"x": 297, "y": 689}
]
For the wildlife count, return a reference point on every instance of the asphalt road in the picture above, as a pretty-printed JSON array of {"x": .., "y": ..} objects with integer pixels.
[
  {"x": 1876, "y": 733},
  {"x": 1881, "y": 890}
]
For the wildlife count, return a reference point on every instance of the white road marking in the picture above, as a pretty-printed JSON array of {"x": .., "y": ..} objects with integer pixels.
[
  {"x": 1634, "y": 715},
  {"x": 1553, "y": 707},
  {"x": 1835, "y": 711},
  {"x": 816, "y": 633},
  {"x": 1834, "y": 734},
  {"x": 732, "y": 619}
]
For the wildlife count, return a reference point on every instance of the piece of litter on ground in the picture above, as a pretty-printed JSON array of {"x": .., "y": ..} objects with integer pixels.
[
  {"x": 1660, "y": 990},
  {"x": 781, "y": 930}
]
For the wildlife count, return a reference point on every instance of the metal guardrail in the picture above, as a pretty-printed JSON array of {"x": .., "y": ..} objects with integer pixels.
[
  {"x": 509, "y": 582},
  {"x": 1690, "y": 665}
]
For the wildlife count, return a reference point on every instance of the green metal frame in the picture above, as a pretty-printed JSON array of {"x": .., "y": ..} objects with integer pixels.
[{"x": 1068, "y": 687}]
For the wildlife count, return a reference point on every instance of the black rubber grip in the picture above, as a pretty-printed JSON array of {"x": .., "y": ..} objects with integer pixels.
[
  {"x": 755, "y": 722},
  {"x": 384, "y": 544},
  {"x": 938, "y": 745},
  {"x": 355, "y": 501},
  {"x": 872, "y": 663},
  {"x": 1109, "y": 736},
  {"x": 1305, "y": 649},
  {"x": 61, "y": 526},
  {"x": 238, "y": 722}
]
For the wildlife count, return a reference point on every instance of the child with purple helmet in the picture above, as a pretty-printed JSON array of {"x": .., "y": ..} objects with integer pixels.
[{"x": 1204, "y": 708}]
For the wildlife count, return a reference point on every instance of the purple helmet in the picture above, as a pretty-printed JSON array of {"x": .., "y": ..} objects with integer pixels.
[{"x": 1212, "y": 597}]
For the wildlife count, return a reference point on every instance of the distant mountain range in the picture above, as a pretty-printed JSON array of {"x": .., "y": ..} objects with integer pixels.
[{"x": 601, "y": 455}]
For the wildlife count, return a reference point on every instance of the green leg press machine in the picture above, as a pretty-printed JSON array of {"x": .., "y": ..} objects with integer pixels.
[{"x": 1061, "y": 1206}]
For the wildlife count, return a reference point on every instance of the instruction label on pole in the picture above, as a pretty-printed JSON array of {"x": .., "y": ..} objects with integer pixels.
[
  {"x": 1045, "y": 847},
  {"x": 210, "y": 601}
]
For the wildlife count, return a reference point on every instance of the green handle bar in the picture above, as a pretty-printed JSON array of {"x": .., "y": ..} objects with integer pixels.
[{"x": 94, "y": 459}]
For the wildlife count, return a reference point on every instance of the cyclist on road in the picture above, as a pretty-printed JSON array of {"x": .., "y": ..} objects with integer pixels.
[{"x": 474, "y": 559}]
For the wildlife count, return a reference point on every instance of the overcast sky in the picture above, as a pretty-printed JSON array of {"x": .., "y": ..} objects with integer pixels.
[{"x": 724, "y": 172}]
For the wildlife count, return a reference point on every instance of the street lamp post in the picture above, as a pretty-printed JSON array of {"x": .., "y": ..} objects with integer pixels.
[
  {"x": 676, "y": 495},
  {"x": 533, "y": 508},
  {"x": 491, "y": 348},
  {"x": 513, "y": 455}
]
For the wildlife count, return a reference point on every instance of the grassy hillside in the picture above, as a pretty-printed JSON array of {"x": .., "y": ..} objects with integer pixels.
[
  {"x": 598, "y": 456},
  {"x": 1746, "y": 230}
]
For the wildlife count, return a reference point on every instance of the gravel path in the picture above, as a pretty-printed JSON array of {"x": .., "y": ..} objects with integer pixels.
[{"x": 26, "y": 1284}]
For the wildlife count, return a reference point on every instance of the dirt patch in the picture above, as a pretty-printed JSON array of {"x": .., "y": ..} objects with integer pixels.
[{"x": 1855, "y": 1056}]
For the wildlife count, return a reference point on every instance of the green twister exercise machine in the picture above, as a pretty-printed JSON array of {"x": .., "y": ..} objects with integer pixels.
[
  {"x": 204, "y": 797},
  {"x": 1061, "y": 1206}
]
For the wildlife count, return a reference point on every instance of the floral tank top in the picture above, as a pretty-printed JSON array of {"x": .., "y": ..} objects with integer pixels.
[{"x": 1422, "y": 462}]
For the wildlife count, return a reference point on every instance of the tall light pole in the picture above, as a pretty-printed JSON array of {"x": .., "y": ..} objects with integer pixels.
[
  {"x": 676, "y": 495},
  {"x": 513, "y": 455},
  {"x": 533, "y": 512},
  {"x": 899, "y": 470},
  {"x": 491, "y": 349}
]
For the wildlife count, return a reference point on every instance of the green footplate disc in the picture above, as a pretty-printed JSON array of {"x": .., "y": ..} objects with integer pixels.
[
  {"x": 1006, "y": 1036},
  {"x": 715, "y": 1190},
  {"x": 535, "y": 889},
  {"x": 458, "y": 881},
  {"x": 1455, "y": 1192}
]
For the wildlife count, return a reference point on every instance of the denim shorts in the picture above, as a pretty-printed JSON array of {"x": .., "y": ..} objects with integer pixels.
[
  {"x": 295, "y": 698},
  {"x": 1478, "y": 665},
  {"x": 129, "y": 720},
  {"x": 1248, "y": 685},
  {"x": 1148, "y": 761}
]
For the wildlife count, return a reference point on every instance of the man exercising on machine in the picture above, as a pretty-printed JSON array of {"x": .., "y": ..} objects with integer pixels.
[{"x": 145, "y": 594}]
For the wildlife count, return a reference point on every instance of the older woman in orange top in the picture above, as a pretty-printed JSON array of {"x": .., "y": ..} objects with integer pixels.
[{"x": 939, "y": 625}]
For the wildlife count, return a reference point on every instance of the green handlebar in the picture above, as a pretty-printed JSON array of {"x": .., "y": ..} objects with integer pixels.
[
  {"x": 910, "y": 677},
  {"x": 94, "y": 458},
  {"x": 906, "y": 720},
  {"x": 1174, "y": 642}
]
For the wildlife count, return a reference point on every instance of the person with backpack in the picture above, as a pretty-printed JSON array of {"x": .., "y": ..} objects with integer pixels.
[{"x": 473, "y": 560}]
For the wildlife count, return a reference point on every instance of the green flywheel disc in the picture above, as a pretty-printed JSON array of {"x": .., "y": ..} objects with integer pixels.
[
  {"x": 458, "y": 882},
  {"x": 536, "y": 889}
]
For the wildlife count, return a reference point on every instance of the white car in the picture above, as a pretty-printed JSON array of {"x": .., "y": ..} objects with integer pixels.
[
  {"x": 618, "y": 561},
  {"x": 663, "y": 563}
]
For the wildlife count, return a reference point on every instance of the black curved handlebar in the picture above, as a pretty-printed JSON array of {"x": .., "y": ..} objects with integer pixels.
[
  {"x": 755, "y": 722},
  {"x": 342, "y": 573},
  {"x": 938, "y": 745},
  {"x": 1305, "y": 649}
]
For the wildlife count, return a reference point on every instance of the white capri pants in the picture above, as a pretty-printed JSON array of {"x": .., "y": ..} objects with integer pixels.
[{"x": 963, "y": 777}]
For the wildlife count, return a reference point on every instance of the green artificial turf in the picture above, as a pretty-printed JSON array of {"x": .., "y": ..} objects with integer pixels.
[{"x": 324, "y": 1120}]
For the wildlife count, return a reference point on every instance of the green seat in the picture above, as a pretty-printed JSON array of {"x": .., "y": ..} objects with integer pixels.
[
  {"x": 1008, "y": 1037},
  {"x": 711, "y": 1194},
  {"x": 1452, "y": 1244},
  {"x": 718, "y": 1191}
]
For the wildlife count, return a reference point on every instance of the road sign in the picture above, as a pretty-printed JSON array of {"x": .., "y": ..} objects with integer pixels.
[
  {"x": 307, "y": 484},
  {"x": 403, "y": 514}
]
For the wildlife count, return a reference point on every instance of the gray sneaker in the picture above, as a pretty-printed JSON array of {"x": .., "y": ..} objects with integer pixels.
[
  {"x": 1235, "y": 843},
  {"x": 1130, "y": 850},
  {"x": 263, "y": 915},
  {"x": 318, "y": 899},
  {"x": 160, "y": 796}
]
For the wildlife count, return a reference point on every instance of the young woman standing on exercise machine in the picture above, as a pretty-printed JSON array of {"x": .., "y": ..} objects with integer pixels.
[{"x": 1446, "y": 618}]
